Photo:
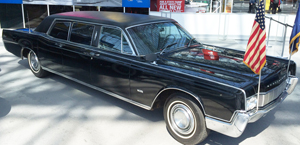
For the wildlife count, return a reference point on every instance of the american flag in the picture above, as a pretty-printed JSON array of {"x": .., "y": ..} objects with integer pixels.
[{"x": 255, "y": 55}]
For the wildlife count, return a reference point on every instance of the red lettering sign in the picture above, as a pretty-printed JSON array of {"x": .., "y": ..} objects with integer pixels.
[{"x": 170, "y": 5}]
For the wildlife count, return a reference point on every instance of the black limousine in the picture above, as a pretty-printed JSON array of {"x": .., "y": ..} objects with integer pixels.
[{"x": 154, "y": 62}]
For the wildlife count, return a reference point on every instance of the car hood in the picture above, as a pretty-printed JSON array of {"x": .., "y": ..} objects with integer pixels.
[{"x": 225, "y": 66}]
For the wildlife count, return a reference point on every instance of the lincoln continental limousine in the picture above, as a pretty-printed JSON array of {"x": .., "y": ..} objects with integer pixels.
[{"x": 153, "y": 62}]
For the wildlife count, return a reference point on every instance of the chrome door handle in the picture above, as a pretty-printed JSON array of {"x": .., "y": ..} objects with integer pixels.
[
  {"x": 59, "y": 44},
  {"x": 94, "y": 54}
]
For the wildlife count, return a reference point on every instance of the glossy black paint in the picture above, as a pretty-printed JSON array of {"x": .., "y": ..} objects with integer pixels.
[{"x": 216, "y": 86}]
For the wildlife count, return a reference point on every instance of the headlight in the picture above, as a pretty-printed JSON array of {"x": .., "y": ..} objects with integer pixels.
[{"x": 251, "y": 103}]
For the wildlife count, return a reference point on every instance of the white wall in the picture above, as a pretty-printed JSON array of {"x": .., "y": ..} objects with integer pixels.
[{"x": 232, "y": 26}]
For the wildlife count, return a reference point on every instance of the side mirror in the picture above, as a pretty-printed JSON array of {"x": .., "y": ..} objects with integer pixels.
[{"x": 150, "y": 57}]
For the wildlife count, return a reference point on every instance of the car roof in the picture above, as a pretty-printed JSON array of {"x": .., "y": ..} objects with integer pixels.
[{"x": 122, "y": 20}]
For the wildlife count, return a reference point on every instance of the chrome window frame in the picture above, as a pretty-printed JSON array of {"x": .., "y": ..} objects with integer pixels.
[
  {"x": 95, "y": 24},
  {"x": 122, "y": 34},
  {"x": 93, "y": 34}
]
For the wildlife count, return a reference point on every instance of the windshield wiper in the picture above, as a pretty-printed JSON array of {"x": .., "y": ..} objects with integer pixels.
[{"x": 167, "y": 47}]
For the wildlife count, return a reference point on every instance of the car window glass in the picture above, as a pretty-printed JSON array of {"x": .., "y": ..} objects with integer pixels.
[
  {"x": 153, "y": 38},
  {"x": 112, "y": 39},
  {"x": 60, "y": 30},
  {"x": 82, "y": 33}
]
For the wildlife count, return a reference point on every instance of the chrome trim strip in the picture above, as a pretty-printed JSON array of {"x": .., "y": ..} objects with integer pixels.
[
  {"x": 172, "y": 88},
  {"x": 101, "y": 90},
  {"x": 8, "y": 41}
]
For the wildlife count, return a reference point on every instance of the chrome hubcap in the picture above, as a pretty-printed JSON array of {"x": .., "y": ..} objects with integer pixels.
[
  {"x": 34, "y": 63},
  {"x": 182, "y": 119}
]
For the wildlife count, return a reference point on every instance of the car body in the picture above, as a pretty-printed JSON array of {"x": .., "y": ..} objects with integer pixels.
[{"x": 153, "y": 62}]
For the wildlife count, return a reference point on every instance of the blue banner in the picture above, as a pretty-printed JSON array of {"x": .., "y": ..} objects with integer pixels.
[
  {"x": 11, "y": 1},
  {"x": 136, "y": 3}
]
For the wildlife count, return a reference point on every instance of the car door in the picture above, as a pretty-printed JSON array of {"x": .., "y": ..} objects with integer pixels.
[
  {"x": 50, "y": 46},
  {"x": 75, "y": 56},
  {"x": 110, "y": 66}
]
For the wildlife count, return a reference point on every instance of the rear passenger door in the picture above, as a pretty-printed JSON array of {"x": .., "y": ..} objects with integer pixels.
[
  {"x": 75, "y": 54},
  {"x": 50, "y": 46}
]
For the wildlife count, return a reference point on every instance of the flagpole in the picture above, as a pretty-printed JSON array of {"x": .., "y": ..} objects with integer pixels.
[
  {"x": 258, "y": 90},
  {"x": 288, "y": 67}
]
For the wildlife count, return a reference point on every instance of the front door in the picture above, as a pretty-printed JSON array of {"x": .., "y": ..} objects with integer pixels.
[{"x": 110, "y": 64}]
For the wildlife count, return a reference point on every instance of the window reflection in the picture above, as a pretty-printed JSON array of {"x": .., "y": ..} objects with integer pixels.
[
  {"x": 82, "y": 33},
  {"x": 54, "y": 9},
  {"x": 11, "y": 16},
  {"x": 34, "y": 15},
  {"x": 60, "y": 30},
  {"x": 112, "y": 39}
]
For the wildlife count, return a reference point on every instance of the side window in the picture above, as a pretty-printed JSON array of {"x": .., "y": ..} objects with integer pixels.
[
  {"x": 112, "y": 39},
  {"x": 82, "y": 33},
  {"x": 60, "y": 30}
]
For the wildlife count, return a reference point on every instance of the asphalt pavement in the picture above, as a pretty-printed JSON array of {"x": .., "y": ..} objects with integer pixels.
[{"x": 58, "y": 111}]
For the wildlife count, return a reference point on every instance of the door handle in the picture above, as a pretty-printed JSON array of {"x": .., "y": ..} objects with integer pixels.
[
  {"x": 94, "y": 54},
  {"x": 59, "y": 44}
]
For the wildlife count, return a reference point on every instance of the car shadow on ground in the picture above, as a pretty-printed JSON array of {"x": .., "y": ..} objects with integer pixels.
[{"x": 5, "y": 107}]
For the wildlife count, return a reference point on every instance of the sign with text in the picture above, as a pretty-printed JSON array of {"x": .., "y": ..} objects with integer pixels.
[
  {"x": 136, "y": 3},
  {"x": 170, "y": 5},
  {"x": 11, "y": 1}
]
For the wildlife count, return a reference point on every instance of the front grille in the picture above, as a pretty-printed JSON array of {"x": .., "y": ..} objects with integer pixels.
[{"x": 267, "y": 97}]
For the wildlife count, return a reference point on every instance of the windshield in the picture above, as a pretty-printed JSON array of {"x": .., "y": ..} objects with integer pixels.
[{"x": 153, "y": 38}]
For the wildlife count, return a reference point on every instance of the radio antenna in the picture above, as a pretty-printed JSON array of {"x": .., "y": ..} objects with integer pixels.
[{"x": 28, "y": 22}]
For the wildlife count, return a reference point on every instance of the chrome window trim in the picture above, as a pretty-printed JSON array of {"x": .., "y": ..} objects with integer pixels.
[
  {"x": 96, "y": 24},
  {"x": 122, "y": 34},
  {"x": 94, "y": 29},
  {"x": 51, "y": 27},
  {"x": 101, "y": 90}
]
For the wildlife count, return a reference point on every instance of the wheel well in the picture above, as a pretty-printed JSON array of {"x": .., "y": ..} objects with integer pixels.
[
  {"x": 163, "y": 96},
  {"x": 25, "y": 52}
]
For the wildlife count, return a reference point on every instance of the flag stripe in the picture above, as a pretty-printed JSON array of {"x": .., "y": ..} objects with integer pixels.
[{"x": 255, "y": 55}]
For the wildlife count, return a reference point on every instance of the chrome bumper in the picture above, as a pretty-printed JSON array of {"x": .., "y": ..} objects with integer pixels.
[{"x": 241, "y": 118}]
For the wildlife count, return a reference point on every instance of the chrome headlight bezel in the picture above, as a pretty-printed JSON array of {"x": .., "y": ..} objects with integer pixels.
[{"x": 251, "y": 102}]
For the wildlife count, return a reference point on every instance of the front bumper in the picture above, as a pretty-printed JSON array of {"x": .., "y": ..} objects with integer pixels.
[{"x": 241, "y": 118}]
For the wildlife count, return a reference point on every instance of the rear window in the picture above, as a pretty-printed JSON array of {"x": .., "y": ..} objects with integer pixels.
[{"x": 60, "y": 30}]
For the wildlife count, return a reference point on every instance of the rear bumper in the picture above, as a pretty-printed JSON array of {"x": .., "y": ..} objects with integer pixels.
[{"x": 241, "y": 118}]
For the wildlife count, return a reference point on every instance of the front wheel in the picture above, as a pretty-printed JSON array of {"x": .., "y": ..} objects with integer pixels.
[
  {"x": 35, "y": 65},
  {"x": 185, "y": 120}
]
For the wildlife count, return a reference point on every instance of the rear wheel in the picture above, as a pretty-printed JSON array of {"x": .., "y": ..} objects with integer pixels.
[
  {"x": 185, "y": 120},
  {"x": 35, "y": 66}
]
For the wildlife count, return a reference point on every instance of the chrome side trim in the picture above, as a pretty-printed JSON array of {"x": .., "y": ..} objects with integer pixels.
[
  {"x": 101, "y": 90},
  {"x": 172, "y": 88}
]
